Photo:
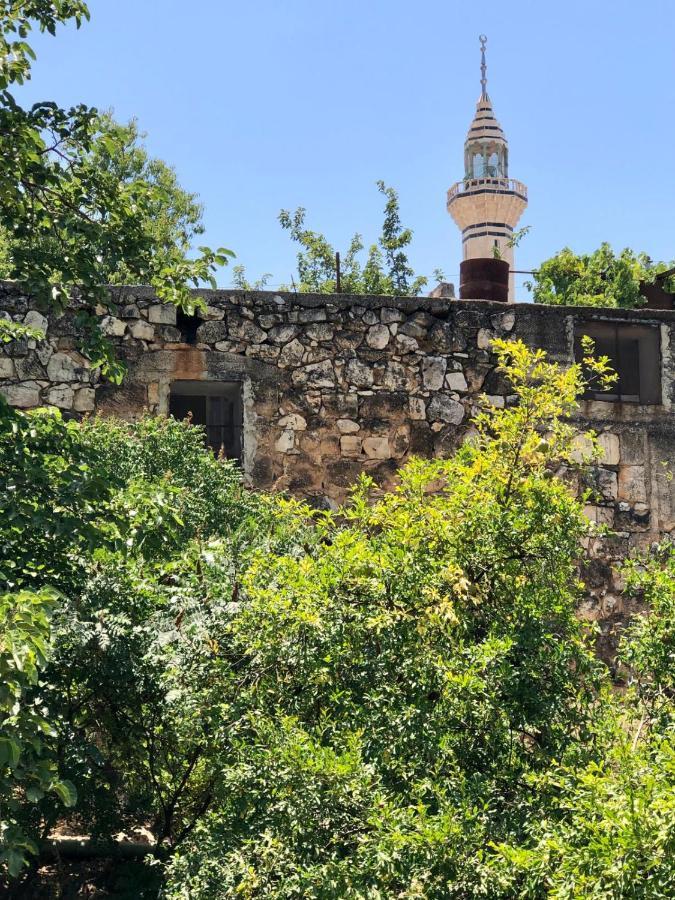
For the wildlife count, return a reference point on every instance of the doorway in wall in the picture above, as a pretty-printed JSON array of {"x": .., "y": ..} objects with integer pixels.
[{"x": 216, "y": 406}]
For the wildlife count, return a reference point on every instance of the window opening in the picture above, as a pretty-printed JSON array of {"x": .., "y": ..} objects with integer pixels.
[
  {"x": 217, "y": 407},
  {"x": 635, "y": 355},
  {"x": 187, "y": 324}
]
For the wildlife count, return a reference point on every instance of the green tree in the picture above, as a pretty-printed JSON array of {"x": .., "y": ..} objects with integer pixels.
[
  {"x": 386, "y": 269},
  {"x": 78, "y": 200},
  {"x": 391, "y": 694},
  {"x": 601, "y": 278}
]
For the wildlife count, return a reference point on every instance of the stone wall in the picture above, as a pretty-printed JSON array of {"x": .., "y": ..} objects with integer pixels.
[{"x": 333, "y": 386}]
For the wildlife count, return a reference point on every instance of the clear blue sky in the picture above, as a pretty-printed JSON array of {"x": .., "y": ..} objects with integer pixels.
[{"x": 285, "y": 103}]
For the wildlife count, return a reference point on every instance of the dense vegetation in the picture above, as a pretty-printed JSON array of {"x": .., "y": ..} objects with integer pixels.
[
  {"x": 601, "y": 278},
  {"x": 396, "y": 700}
]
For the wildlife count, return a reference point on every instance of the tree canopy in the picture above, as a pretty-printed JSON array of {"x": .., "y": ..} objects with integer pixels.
[
  {"x": 80, "y": 202},
  {"x": 601, "y": 278},
  {"x": 396, "y": 699}
]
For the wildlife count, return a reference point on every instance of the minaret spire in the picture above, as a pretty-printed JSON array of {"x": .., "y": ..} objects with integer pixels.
[
  {"x": 483, "y": 68},
  {"x": 486, "y": 204}
]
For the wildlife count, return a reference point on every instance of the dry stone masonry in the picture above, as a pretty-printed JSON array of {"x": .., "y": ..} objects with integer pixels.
[{"x": 332, "y": 386}]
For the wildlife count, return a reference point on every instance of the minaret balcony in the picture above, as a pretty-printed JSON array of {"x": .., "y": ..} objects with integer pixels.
[{"x": 488, "y": 185}]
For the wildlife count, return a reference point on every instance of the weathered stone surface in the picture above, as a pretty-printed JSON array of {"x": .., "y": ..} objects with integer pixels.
[
  {"x": 609, "y": 443},
  {"x": 388, "y": 315},
  {"x": 433, "y": 372},
  {"x": 162, "y": 314},
  {"x": 347, "y": 426},
  {"x": 350, "y": 445},
  {"x": 212, "y": 332},
  {"x": 376, "y": 447},
  {"x": 7, "y": 367},
  {"x": 292, "y": 354},
  {"x": 61, "y": 395},
  {"x": 395, "y": 377},
  {"x": 456, "y": 381},
  {"x": 317, "y": 375},
  {"x": 85, "y": 398},
  {"x": 418, "y": 408},
  {"x": 29, "y": 368},
  {"x": 35, "y": 319},
  {"x": 282, "y": 334},
  {"x": 378, "y": 337},
  {"x": 112, "y": 326},
  {"x": 22, "y": 395},
  {"x": 632, "y": 485},
  {"x": 484, "y": 338},
  {"x": 405, "y": 344},
  {"x": 142, "y": 331},
  {"x": 444, "y": 409},
  {"x": 62, "y": 367},
  {"x": 359, "y": 374},
  {"x": 294, "y": 422}
]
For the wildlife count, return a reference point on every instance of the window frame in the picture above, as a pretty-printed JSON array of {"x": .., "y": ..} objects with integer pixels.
[
  {"x": 215, "y": 396},
  {"x": 610, "y": 337}
]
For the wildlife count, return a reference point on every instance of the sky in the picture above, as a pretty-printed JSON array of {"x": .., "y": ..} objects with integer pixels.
[{"x": 267, "y": 105}]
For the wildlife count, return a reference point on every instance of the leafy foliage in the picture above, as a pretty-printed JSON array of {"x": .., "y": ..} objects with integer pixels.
[
  {"x": 385, "y": 271},
  {"x": 601, "y": 278},
  {"x": 396, "y": 699},
  {"x": 79, "y": 200}
]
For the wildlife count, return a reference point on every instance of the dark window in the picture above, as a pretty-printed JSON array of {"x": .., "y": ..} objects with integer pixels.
[
  {"x": 635, "y": 355},
  {"x": 217, "y": 407}
]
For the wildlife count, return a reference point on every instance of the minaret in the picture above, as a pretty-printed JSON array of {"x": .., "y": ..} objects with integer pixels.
[{"x": 486, "y": 205}]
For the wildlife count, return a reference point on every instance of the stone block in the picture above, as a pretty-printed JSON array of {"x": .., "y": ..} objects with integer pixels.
[
  {"x": 22, "y": 395},
  {"x": 29, "y": 368},
  {"x": 283, "y": 334},
  {"x": 162, "y": 314},
  {"x": 395, "y": 377},
  {"x": 405, "y": 344},
  {"x": 347, "y": 426},
  {"x": 417, "y": 408},
  {"x": 444, "y": 409},
  {"x": 7, "y": 367},
  {"x": 455, "y": 381},
  {"x": 632, "y": 485},
  {"x": 358, "y": 374},
  {"x": 632, "y": 447},
  {"x": 212, "y": 332},
  {"x": 433, "y": 372},
  {"x": 112, "y": 326},
  {"x": 35, "y": 319},
  {"x": 377, "y": 447},
  {"x": 142, "y": 331},
  {"x": 293, "y": 421},
  {"x": 378, "y": 337},
  {"x": 610, "y": 448},
  {"x": 316, "y": 375},
  {"x": 320, "y": 331},
  {"x": 388, "y": 315},
  {"x": 285, "y": 442},
  {"x": 305, "y": 316},
  {"x": 292, "y": 354},
  {"x": 84, "y": 400},
  {"x": 350, "y": 445},
  {"x": 484, "y": 339},
  {"x": 61, "y": 395},
  {"x": 62, "y": 367},
  {"x": 241, "y": 330}
]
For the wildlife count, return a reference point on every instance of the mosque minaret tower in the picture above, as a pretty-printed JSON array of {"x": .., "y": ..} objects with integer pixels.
[{"x": 486, "y": 205}]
